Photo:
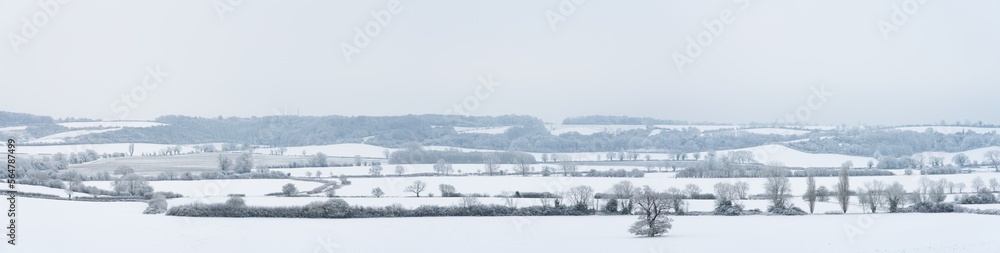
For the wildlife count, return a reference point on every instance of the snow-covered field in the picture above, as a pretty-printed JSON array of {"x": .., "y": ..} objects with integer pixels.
[
  {"x": 13, "y": 128},
  {"x": 429, "y": 168},
  {"x": 794, "y": 158},
  {"x": 208, "y": 188},
  {"x": 45, "y": 190},
  {"x": 975, "y": 154},
  {"x": 115, "y": 124},
  {"x": 102, "y": 148},
  {"x": 951, "y": 129},
  {"x": 73, "y": 226}
]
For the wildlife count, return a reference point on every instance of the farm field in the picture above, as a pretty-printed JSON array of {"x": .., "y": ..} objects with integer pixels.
[{"x": 135, "y": 232}]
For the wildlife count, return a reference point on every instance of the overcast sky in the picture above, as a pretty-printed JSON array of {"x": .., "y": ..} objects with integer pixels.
[{"x": 937, "y": 60}]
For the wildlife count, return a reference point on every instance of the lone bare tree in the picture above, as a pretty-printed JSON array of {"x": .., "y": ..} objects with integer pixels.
[
  {"x": 653, "y": 207},
  {"x": 417, "y": 187}
]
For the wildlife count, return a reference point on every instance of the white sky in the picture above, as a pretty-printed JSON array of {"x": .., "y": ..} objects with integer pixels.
[{"x": 607, "y": 57}]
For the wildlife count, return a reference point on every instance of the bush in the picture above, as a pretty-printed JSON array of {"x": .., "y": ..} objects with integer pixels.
[
  {"x": 983, "y": 197},
  {"x": 157, "y": 205},
  {"x": 728, "y": 208},
  {"x": 236, "y": 201},
  {"x": 927, "y": 207},
  {"x": 782, "y": 210}
]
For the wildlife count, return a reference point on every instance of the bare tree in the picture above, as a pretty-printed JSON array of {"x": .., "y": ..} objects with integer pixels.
[
  {"x": 624, "y": 191},
  {"x": 978, "y": 184},
  {"x": 777, "y": 188},
  {"x": 568, "y": 167},
  {"x": 442, "y": 167},
  {"x": 523, "y": 166},
  {"x": 417, "y": 187},
  {"x": 491, "y": 163},
  {"x": 994, "y": 184},
  {"x": 992, "y": 158},
  {"x": 692, "y": 190},
  {"x": 653, "y": 207},
  {"x": 743, "y": 190},
  {"x": 961, "y": 187},
  {"x": 375, "y": 170},
  {"x": 580, "y": 196},
  {"x": 843, "y": 189},
  {"x": 871, "y": 195}
]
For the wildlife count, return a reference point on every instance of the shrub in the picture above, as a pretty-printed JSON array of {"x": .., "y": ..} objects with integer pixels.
[
  {"x": 728, "y": 208},
  {"x": 927, "y": 207},
  {"x": 236, "y": 201},
  {"x": 983, "y": 197},
  {"x": 157, "y": 205},
  {"x": 783, "y": 210}
]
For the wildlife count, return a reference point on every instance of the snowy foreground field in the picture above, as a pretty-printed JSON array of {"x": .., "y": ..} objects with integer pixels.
[{"x": 67, "y": 226}]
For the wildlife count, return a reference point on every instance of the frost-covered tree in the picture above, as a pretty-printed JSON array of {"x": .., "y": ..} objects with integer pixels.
[
  {"x": 447, "y": 190},
  {"x": 309, "y": 174},
  {"x": 843, "y": 189},
  {"x": 289, "y": 189},
  {"x": 523, "y": 165},
  {"x": 742, "y": 190},
  {"x": 810, "y": 195},
  {"x": 568, "y": 167},
  {"x": 442, "y": 167},
  {"x": 400, "y": 170},
  {"x": 580, "y": 196},
  {"x": 895, "y": 196},
  {"x": 491, "y": 163},
  {"x": 777, "y": 188},
  {"x": 992, "y": 158},
  {"x": 960, "y": 160},
  {"x": 377, "y": 192},
  {"x": 624, "y": 191},
  {"x": 692, "y": 190},
  {"x": 961, "y": 187},
  {"x": 978, "y": 184},
  {"x": 244, "y": 163},
  {"x": 822, "y": 194},
  {"x": 225, "y": 164},
  {"x": 375, "y": 170},
  {"x": 545, "y": 158},
  {"x": 653, "y": 208},
  {"x": 319, "y": 160},
  {"x": 319, "y": 173},
  {"x": 124, "y": 170},
  {"x": 417, "y": 187},
  {"x": 131, "y": 185},
  {"x": 872, "y": 195},
  {"x": 994, "y": 184}
]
